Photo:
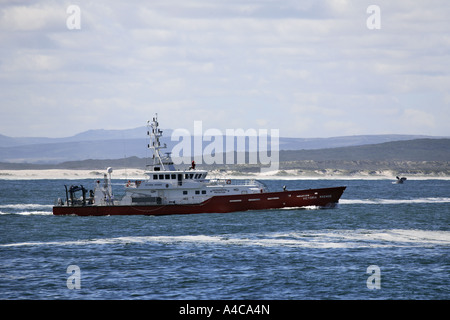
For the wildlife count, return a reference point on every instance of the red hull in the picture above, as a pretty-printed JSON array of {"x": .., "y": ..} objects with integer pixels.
[{"x": 218, "y": 204}]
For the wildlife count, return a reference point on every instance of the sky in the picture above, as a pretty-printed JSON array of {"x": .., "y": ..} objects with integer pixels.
[{"x": 313, "y": 68}]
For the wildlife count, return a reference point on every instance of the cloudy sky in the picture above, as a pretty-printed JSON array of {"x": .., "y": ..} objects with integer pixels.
[{"x": 308, "y": 68}]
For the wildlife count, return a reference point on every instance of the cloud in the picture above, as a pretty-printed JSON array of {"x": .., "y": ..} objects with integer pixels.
[
  {"x": 34, "y": 17},
  {"x": 418, "y": 118},
  {"x": 32, "y": 62},
  {"x": 309, "y": 68}
]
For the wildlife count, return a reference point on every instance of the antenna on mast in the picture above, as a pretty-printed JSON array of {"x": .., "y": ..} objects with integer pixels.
[{"x": 155, "y": 133}]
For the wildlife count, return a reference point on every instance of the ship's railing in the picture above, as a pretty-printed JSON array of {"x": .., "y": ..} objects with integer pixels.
[
  {"x": 59, "y": 202},
  {"x": 236, "y": 182},
  {"x": 106, "y": 202}
]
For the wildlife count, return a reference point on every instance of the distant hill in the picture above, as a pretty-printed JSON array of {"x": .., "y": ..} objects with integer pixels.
[
  {"x": 410, "y": 150},
  {"x": 90, "y": 135},
  {"x": 411, "y": 156},
  {"x": 117, "y": 144}
]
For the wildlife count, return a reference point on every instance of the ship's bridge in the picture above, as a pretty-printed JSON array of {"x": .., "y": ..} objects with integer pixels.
[
  {"x": 180, "y": 177},
  {"x": 173, "y": 178}
]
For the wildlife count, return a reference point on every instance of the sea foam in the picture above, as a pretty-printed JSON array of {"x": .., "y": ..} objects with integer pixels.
[{"x": 361, "y": 238}]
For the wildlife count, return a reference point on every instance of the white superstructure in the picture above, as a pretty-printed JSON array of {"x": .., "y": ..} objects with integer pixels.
[{"x": 165, "y": 185}]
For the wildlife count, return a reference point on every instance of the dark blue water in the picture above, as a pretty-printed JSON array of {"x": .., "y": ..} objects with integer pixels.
[{"x": 403, "y": 230}]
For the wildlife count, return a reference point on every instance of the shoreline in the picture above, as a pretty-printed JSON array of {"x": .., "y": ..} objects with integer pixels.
[{"x": 139, "y": 174}]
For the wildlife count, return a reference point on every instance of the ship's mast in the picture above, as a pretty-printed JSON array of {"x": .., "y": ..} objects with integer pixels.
[{"x": 155, "y": 133}]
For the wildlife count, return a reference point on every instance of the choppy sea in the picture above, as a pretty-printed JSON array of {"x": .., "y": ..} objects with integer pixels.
[{"x": 383, "y": 241}]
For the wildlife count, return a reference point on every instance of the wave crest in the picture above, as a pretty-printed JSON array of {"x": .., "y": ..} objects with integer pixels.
[{"x": 309, "y": 239}]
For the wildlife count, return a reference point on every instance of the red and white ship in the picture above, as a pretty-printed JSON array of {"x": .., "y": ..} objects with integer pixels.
[{"x": 167, "y": 190}]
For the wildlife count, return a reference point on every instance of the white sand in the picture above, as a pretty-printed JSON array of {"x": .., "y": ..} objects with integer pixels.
[
  {"x": 134, "y": 174},
  {"x": 69, "y": 174}
]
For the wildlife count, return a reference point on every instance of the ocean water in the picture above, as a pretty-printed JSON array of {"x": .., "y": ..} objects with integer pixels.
[{"x": 383, "y": 241}]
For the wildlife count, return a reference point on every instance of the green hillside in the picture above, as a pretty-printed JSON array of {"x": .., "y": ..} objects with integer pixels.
[
  {"x": 420, "y": 156},
  {"x": 411, "y": 150}
]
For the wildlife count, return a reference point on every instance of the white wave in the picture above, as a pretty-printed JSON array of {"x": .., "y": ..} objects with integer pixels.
[
  {"x": 26, "y": 209},
  {"x": 301, "y": 208},
  {"x": 395, "y": 201},
  {"x": 28, "y": 213},
  {"x": 385, "y": 238},
  {"x": 361, "y": 238},
  {"x": 22, "y": 206}
]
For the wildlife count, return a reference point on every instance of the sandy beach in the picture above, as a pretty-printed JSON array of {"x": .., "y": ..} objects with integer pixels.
[
  {"x": 136, "y": 174},
  {"x": 68, "y": 174}
]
